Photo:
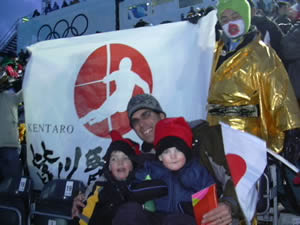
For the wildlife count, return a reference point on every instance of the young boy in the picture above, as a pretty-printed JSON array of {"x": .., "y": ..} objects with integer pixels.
[
  {"x": 113, "y": 190},
  {"x": 183, "y": 175}
]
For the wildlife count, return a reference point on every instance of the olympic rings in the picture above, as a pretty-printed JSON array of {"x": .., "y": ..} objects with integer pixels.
[{"x": 62, "y": 28}]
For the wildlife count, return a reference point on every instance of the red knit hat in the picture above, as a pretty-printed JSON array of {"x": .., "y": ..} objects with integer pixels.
[
  {"x": 173, "y": 132},
  {"x": 125, "y": 145}
]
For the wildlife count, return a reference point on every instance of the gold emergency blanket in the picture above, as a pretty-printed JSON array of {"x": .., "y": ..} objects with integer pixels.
[{"x": 254, "y": 76}]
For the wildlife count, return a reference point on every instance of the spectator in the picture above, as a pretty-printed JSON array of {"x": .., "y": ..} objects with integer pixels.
[
  {"x": 176, "y": 167},
  {"x": 282, "y": 18},
  {"x": 271, "y": 34},
  {"x": 291, "y": 53},
  {"x": 36, "y": 13},
  {"x": 289, "y": 194},
  {"x": 113, "y": 190},
  {"x": 48, "y": 8},
  {"x": 55, "y": 6},
  {"x": 64, "y": 4},
  {"x": 144, "y": 112},
  {"x": 282, "y": 13},
  {"x": 250, "y": 89},
  {"x": 10, "y": 164},
  {"x": 23, "y": 57}
]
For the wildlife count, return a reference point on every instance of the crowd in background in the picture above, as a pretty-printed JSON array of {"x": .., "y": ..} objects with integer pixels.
[
  {"x": 279, "y": 27},
  {"x": 54, "y": 7}
]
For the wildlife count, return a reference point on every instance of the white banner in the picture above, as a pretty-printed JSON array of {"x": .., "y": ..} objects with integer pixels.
[{"x": 76, "y": 90}]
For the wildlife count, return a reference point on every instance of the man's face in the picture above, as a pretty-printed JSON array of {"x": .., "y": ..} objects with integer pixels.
[
  {"x": 232, "y": 24},
  {"x": 172, "y": 158},
  {"x": 283, "y": 10},
  {"x": 229, "y": 15},
  {"x": 120, "y": 165},
  {"x": 144, "y": 121}
]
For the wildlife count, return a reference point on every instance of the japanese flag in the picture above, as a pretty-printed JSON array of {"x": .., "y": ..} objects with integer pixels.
[{"x": 247, "y": 158}]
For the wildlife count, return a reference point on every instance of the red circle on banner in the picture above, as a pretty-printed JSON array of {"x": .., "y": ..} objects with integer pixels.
[
  {"x": 91, "y": 92},
  {"x": 237, "y": 167}
]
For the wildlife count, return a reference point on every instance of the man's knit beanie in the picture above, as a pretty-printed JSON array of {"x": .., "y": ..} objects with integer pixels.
[
  {"x": 240, "y": 6},
  {"x": 143, "y": 101},
  {"x": 125, "y": 145},
  {"x": 173, "y": 132}
]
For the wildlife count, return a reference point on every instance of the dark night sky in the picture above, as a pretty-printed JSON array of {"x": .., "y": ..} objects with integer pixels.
[{"x": 11, "y": 10}]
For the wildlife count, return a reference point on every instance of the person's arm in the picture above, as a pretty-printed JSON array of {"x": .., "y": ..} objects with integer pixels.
[
  {"x": 19, "y": 96},
  {"x": 290, "y": 44},
  {"x": 275, "y": 37},
  {"x": 208, "y": 147},
  {"x": 220, "y": 215},
  {"x": 280, "y": 108},
  {"x": 142, "y": 189},
  {"x": 79, "y": 201},
  {"x": 147, "y": 190}
]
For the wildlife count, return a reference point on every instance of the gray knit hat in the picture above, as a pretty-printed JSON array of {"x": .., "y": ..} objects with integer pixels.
[{"x": 143, "y": 101}]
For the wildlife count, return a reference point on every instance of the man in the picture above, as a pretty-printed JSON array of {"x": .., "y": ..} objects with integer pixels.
[
  {"x": 175, "y": 166},
  {"x": 10, "y": 163},
  {"x": 144, "y": 111},
  {"x": 291, "y": 53},
  {"x": 282, "y": 18},
  {"x": 250, "y": 89},
  {"x": 270, "y": 32},
  {"x": 282, "y": 13}
]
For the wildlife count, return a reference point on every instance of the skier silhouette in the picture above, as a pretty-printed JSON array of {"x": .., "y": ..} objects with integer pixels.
[{"x": 125, "y": 80}]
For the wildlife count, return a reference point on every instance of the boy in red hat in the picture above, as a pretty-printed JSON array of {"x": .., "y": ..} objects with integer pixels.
[{"x": 183, "y": 175}]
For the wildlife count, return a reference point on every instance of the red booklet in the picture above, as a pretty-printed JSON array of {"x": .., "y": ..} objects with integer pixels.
[{"x": 204, "y": 201}]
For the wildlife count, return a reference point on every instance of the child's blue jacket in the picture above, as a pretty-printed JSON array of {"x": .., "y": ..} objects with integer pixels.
[{"x": 181, "y": 184}]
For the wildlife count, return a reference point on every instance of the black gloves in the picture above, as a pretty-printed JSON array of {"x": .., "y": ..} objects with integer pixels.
[
  {"x": 194, "y": 15},
  {"x": 291, "y": 148},
  {"x": 194, "y": 18},
  {"x": 147, "y": 190}
]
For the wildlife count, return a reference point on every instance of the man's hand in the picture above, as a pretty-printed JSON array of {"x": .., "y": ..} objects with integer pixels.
[
  {"x": 78, "y": 205},
  {"x": 218, "y": 216}
]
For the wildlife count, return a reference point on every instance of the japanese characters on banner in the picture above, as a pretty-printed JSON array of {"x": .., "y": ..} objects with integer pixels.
[{"x": 76, "y": 90}]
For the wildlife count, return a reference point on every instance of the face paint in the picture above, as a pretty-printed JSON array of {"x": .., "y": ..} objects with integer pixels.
[{"x": 234, "y": 29}]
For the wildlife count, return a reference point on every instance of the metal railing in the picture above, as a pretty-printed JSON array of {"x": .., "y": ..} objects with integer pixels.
[{"x": 10, "y": 34}]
